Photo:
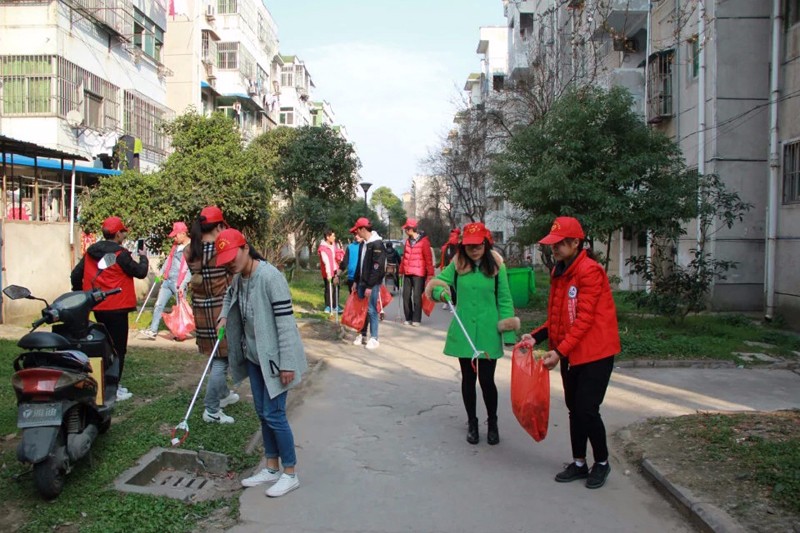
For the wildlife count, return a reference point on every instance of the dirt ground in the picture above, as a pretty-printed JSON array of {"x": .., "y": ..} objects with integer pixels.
[{"x": 682, "y": 451}]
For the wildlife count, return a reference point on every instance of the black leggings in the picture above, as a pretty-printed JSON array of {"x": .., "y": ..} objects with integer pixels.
[
  {"x": 116, "y": 323},
  {"x": 412, "y": 297},
  {"x": 584, "y": 389},
  {"x": 485, "y": 375}
]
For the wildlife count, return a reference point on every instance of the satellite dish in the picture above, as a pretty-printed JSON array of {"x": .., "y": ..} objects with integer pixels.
[{"x": 74, "y": 118}]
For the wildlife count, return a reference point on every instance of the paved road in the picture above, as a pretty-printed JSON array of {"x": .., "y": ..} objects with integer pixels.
[{"x": 381, "y": 446}]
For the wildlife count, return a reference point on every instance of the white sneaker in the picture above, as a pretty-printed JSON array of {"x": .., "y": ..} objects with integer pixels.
[
  {"x": 148, "y": 334},
  {"x": 444, "y": 306},
  {"x": 230, "y": 399},
  {"x": 373, "y": 343},
  {"x": 358, "y": 340},
  {"x": 123, "y": 389},
  {"x": 259, "y": 478},
  {"x": 123, "y": 395},
  {"x": 285, "y": 484},
  {"x": 219, "y": 417},
  {"x": 406, "y": 322},
  {"x": 416, "y": 324}
]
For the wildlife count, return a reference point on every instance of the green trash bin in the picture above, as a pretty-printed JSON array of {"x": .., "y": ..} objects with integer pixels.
[{"x": 522, "y": 284}]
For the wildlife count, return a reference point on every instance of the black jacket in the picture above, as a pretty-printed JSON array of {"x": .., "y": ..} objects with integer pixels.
[{"x": 374, "y": 264}]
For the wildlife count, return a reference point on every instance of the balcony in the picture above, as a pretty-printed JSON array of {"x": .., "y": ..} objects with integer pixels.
[{"x": 621, "y": 17}]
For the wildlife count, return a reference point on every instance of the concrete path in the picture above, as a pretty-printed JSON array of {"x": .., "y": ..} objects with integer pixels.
[{"x": 380, "y": 438}]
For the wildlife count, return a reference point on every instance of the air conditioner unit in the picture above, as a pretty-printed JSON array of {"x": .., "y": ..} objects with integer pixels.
[
  {"x": 252, "y": 90},
  {"x": 211, "y": 11}
]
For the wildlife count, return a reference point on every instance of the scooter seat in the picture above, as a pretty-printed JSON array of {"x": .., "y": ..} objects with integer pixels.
[{"x": 68, "y": 359}]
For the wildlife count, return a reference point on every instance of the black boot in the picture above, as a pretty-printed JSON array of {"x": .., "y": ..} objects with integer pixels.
[
  {"x": 493, "y": 436},
  {"x": 472, "y": 431}
]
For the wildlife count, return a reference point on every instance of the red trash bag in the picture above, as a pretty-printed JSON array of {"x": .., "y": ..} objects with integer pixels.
[
  {"x": 530, "y": 390},
  {"x": 384, "y": 298},
  {"x": 428, "y": 305},
  {"x": 355, "y": 311},
  {"x": 180, "y": 320}
]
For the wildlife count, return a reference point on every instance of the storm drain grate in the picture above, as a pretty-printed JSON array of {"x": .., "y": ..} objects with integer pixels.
[{"x": 181, "y": 474}]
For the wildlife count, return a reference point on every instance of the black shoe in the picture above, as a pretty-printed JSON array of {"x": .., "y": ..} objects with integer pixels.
[
  {"x": 598, "y": 475},
  {"x": 472, "y": 431},
  {"x": 492, "y": 435},
  {"x": 572, "y": 472}
]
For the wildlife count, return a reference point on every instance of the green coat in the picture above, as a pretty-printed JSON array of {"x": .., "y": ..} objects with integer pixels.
[{"x": 489, "y": 321}]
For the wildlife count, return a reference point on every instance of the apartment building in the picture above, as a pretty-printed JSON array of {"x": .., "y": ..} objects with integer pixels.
[
  {"x": 295, "y": 93},
  {"x": 224, "y": 56},
  {"x": 80, "y": 76}
]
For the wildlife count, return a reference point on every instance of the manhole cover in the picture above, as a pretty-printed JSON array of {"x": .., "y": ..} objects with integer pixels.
[{"x": 181, "y": 474}]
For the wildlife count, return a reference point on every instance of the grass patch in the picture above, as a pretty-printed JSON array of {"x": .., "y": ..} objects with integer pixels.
[
  {"x": 745, "y": 463},
  {"x": 307, "y": 292},
  {"x": 163, "y": 388},
  {"x": 698, "y": 337}
]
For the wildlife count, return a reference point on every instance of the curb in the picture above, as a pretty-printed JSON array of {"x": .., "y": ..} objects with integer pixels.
[
  {"x": 703, "y": 515},
  {"x": 666, "y": 363}
]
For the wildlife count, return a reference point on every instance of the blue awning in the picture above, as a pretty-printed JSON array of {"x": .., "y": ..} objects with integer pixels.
[{"x": 22, "y": 161}]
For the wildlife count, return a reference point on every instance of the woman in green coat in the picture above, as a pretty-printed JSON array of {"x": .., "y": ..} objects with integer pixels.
[{"x": 485, "y": 307}]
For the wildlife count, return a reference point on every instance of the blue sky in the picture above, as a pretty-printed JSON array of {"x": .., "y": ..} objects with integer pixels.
[{"x": 392, "y": 70}]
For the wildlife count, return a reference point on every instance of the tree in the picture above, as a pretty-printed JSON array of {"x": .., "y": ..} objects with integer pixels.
[
  {"x": 592, "y": 157},
  {"x": 384, "y": 199},
  {"x": 314, "y": 161},
  {"x": 208, "y": 166}
]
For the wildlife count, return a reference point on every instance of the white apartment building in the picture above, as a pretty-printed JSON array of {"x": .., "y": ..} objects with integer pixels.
[
  {"x": 224, "y": 57},
  {"x": 295, "y": 93},
  {"x": 81, "y": 75},
  {"x": 322, "y": 114}
]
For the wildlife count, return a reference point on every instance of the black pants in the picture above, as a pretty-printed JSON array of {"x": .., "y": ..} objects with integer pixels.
[
  {"x": 412, "y": 297},
  {"x": 584, "y": 389},
  {"x": 391, "y": 273},
  {"x": 328, "y": 284},
  {"x": 116, "y": 323},
  {"x": 485, "y": 375}
]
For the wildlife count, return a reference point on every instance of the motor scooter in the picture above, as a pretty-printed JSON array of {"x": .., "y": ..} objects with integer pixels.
[{"x": 66, "y": 384}]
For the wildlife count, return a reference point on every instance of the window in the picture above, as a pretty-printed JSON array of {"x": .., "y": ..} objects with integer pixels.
[
  {"x": 209, "y": 48},
  {"x": 147, "y": 36},
  {"x": 92, "y": 110},
  {"x": 228, "y": 56},
  {"x": 791, "y": 172},
  {"x": 27, "y": 84},
  {"x": 287, "y": 77},
  {"x": 792, "y": 13},
  {"x": 694, "y": 57},
  {"x": 497, "y": 82},
  {"x": 659, "y": 89},
  {"x": 142, "y": 119},
  {"x": 227, "y": 7},
  {"x": 287, "y": 116},
  {"x": 525, "y": 26}
]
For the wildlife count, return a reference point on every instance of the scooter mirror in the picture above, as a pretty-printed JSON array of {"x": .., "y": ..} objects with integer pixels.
[
  {"x": 15, "y": 292},
  {"x": 107, "y": 261}
]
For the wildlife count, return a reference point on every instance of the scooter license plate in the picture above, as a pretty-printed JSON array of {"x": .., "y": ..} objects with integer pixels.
[{"x": 31, "y": 415}]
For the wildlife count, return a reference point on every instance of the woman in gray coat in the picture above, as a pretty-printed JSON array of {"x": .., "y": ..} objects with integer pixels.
[{"x": 264, "y": 345}]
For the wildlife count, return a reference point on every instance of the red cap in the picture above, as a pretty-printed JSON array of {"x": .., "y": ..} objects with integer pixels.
[
  {"x": 211, "y": 215},
  {"x": 178, "y": 227},
  {"x": 457, "y": 231},
  {"x": 113, "y": 225},
  {"x": 410, "y": 223},
  {"x": 563, "y": 228},
  {"x": 362, "y": 222},
  {"x": 475, "y": 233},
  {"x": 227, "y": 244}
]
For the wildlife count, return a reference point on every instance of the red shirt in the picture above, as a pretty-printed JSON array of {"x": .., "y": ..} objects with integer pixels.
[{"x": 581, "y": 315}]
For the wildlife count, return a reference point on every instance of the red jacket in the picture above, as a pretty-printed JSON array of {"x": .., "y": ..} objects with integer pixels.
[
  {"x": 581, "y": 316},
  {"x": 417, "y": 258}
]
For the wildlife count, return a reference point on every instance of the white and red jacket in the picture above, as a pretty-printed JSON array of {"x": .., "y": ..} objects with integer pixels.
[{"x": 330, "y": 255}]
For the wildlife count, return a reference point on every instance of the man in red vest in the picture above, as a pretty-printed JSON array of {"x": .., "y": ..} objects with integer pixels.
[
  {"x": 113, "y": 312},
  {"x": 173, "y": 277},
  {"x": 417, "y": 266}
]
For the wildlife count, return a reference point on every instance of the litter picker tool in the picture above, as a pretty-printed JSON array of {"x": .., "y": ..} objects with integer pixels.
[
  {"x": 475, "y": 353},
  {"x": 149, "y": 294},
  {"x": 184, "y": 425}
]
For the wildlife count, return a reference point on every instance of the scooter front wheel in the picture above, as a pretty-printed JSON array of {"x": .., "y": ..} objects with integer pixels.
[{"x": 49, "y": 477}]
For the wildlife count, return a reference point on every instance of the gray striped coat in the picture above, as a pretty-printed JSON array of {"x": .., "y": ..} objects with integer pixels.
[{"x": 278, "y": 342}]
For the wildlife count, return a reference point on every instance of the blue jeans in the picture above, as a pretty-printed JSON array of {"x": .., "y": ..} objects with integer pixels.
[
  {"x": 167, "y": 291},
  {"x": 217, "y": 387},
  {"x": 372, "y": 310},
  {"x": 275, "y": 430}
]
